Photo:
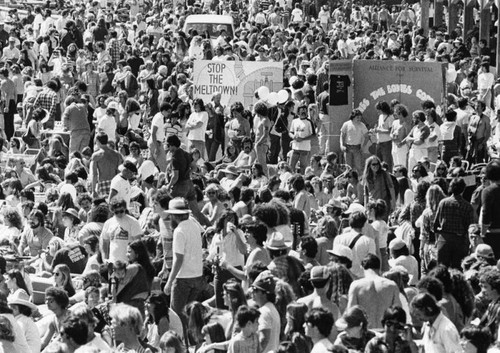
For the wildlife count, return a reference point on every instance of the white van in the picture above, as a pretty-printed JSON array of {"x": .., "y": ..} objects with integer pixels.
[{"x": 211, "y": 23}]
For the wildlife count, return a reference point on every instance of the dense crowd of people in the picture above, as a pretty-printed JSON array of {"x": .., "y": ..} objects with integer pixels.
[{"x": 138, "y": 218}]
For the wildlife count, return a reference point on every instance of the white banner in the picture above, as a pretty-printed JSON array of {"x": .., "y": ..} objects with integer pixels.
[{"x": 237, "y": 81}]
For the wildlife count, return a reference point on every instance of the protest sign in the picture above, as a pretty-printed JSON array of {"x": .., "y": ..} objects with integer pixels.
[
  {"x": 237, "y": 81},
  {"x": 407, "y": 81}
]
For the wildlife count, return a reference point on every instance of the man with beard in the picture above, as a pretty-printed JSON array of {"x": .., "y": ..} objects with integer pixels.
[
  {"x": 36, "y": 238},
  {"x": 118, "y": 232},
  {"x": 184, "y": 282}
]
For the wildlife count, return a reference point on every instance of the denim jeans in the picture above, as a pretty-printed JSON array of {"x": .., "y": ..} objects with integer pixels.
[
  {"x": 384, "y": 152},
  {"x": 451, "y": 249},
  {"x": 184, "y": 291},
  {"x": 353, "y": 157},
  {"x": 261, "y": 156},
  {"x": 221, "y": 277},
  {"x": 299, "y": 156},
  {"x": 274, "y": 152}
]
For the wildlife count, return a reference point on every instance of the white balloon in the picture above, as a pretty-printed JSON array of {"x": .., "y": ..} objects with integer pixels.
[
  {"x": 282, "y": 96},
  {"x": 272, "y": 99},
  {"x": 263, "y": 92}
]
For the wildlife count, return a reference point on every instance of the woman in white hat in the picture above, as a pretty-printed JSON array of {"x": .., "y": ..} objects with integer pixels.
[
  {"x": 22, "y": 310},
  {"x": 71, "y": 222}
]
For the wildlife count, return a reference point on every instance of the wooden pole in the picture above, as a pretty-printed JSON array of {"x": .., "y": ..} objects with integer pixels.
[
  {"x": 485, "y": 22},
  {"x": 424, "y": 18},
  {"x": 468, "y": 17},
  {"x": 438, "y": 13},
  {"x": 497, "y": 54},
  {"x": 452, "y": 16}
]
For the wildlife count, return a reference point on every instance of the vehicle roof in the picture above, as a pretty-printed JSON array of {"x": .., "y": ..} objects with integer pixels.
[{"x": 209, "y": 19}]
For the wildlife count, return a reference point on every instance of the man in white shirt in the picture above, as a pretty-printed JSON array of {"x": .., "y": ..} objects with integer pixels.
[
  {"x": 439, "y": 334},
  {"x": 11, "y": 52},
  {"x": 117, "y": 232},
  {"x": 318, "y": 326},
  {"x": 184, "y": 282},
  {"x": 48, "y": 23},
  {"x": 360, "y": 244},
  {"x": 107, "y": 123},
  {"x": 157, "y": 138},
  {"x": 353, "y": 134},
  {"x": 263, "y": 293},
  {"x": 120, "y": 184}
]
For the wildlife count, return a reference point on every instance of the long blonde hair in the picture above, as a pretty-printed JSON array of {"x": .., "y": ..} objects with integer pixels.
[{"x": 433, "y": 197}]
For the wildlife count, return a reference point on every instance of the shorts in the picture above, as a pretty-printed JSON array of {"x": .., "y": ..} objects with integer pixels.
[{"x": 104, "y": 187}]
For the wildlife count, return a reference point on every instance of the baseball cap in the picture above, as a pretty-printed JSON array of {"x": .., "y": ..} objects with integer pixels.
[{"x": 265, "y": 282}]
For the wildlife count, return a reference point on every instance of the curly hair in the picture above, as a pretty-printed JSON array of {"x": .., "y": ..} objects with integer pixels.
[
  {"x": 11, "y": 215},
  {"x": 491, "y": 276},
  {"x": 341, "y": 279},
  {"x": 284, "y": 296},
  {"x": 462, "y": 291},
  {"x": 6, "y": 330}
]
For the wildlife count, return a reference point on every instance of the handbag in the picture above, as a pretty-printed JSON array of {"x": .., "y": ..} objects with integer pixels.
[{"x": 28, "y": 137}]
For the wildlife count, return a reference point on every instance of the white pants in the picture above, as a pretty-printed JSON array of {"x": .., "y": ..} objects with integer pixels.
[
  {"x": 400, "y": 155},
  {"x": 414, "y": 156}
]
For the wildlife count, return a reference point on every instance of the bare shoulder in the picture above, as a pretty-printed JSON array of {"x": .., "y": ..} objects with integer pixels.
[{"x": 97, "y": 156}]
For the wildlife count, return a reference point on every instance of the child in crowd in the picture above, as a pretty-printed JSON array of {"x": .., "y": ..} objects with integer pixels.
[{"x": 247, "y": 340}]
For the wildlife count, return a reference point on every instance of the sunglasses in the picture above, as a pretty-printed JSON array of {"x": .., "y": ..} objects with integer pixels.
[
  {"x": 119, "y": 211},
  {"x": 210, "y": 192},
  {"x": 375, "y": 164},
  {"x": 392, "y": 323}
]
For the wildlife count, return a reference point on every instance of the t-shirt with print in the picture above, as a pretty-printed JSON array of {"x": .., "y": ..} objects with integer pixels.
[
  {"x": 74, "y": 256},
  {"x": 339, "y": 89},
  {"x": 120, "y": 232},
  {"x": 270, "y": 320}
]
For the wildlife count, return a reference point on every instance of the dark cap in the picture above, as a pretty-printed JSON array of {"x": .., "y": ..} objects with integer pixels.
[{"x": 130, "y": 166}]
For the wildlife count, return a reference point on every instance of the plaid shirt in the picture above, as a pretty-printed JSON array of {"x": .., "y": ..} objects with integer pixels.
[
  {"x": 454, "y": 215},
  {"x": 47, "y": 99},
  {"x": 114, "y": 50}
]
